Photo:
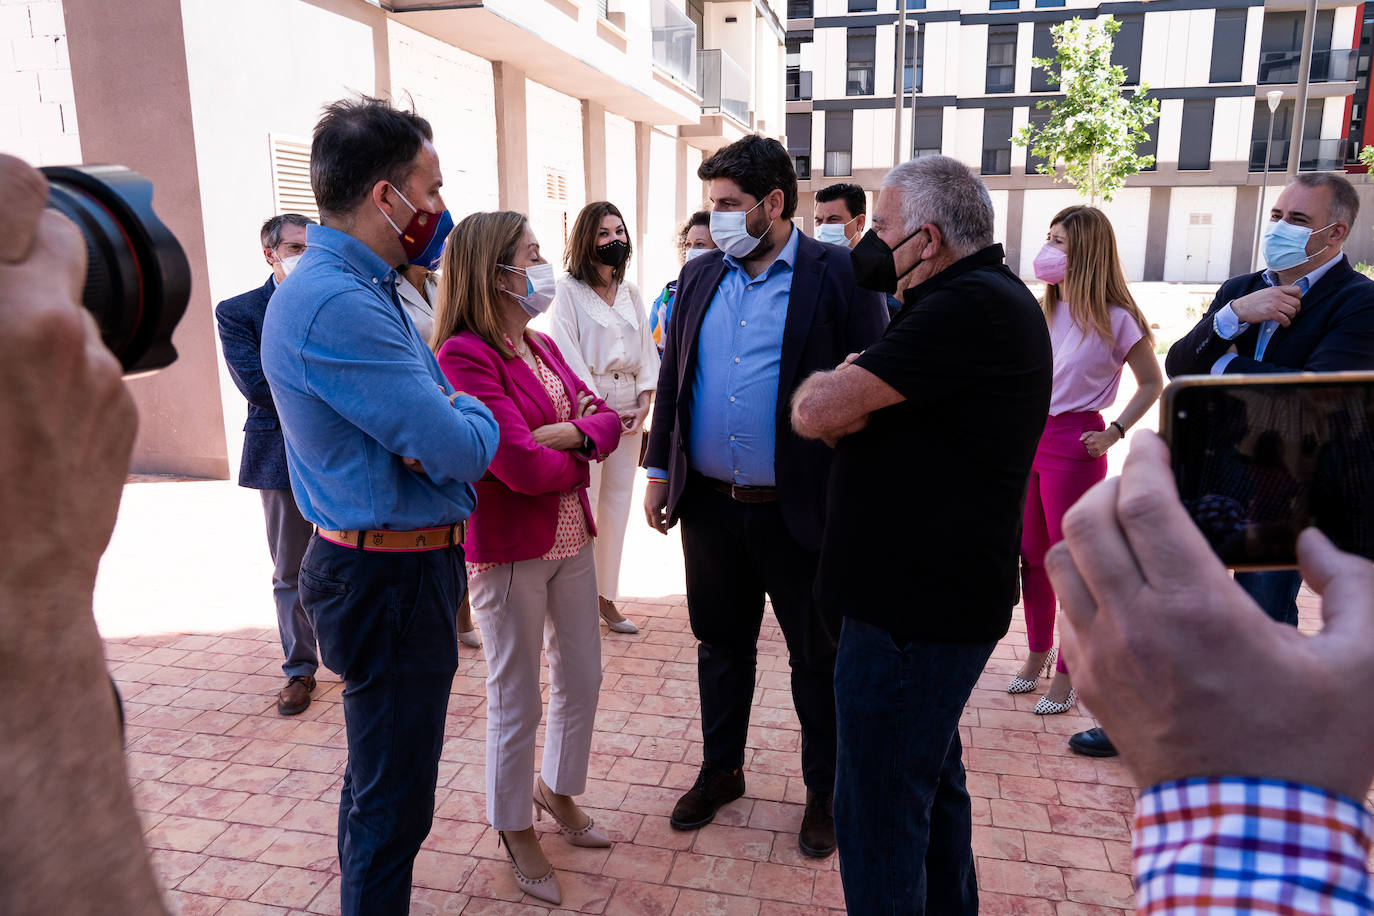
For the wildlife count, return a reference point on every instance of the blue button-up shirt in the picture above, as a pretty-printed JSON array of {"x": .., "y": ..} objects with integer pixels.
[
  {"x": 1229, "y": 326},
  {"x": 735, "y": 388},
  {"x": 357, "y": 390}
]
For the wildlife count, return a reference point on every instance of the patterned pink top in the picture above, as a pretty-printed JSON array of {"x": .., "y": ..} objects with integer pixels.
[{"x": 572, "y": 533}]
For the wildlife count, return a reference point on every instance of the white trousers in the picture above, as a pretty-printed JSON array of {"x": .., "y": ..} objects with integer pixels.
[
  {"x": 521, "y": 607},
  {"x": 612, "y": 487}
]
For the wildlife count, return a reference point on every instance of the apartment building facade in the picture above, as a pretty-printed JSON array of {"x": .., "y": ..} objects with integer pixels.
[
  {"x": 968, "y": 85},
  {"x": 537, "y": 105}
]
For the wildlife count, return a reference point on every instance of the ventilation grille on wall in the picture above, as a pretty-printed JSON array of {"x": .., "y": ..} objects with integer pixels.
[
  {"x": 1199, "y": 219},
  {"x": 555, "y": 185},
  {"x": 291, "y": 177}
]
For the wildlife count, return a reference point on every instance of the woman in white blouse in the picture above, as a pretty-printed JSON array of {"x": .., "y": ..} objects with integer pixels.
[{"x": 600, "y": 324}]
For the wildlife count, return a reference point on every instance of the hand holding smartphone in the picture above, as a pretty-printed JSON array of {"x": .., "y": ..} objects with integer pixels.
[{"x": 1258, "y": 458}]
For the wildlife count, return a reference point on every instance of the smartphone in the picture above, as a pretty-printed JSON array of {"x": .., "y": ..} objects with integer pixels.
[{"x": 1258, "y": 458}]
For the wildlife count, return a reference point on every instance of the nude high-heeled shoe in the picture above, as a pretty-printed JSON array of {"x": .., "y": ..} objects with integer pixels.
[
  {"x": 544, "y": 888},
  {"x": 589, "y": 835}
]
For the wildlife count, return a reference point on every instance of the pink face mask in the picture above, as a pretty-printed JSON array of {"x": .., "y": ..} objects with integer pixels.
[{"x": 1051, "y": 265}]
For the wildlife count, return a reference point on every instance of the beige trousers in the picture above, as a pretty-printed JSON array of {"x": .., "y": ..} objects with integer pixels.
[
  {"x": 612, "y": 488},
  {"x": 522, "y": 607}
]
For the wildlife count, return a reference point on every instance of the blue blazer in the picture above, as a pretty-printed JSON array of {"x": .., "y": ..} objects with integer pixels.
[
  {"x": 263, "y": 466},
  {"x": 1333, "y": 330},
  {"x": 828, "y": 317}
]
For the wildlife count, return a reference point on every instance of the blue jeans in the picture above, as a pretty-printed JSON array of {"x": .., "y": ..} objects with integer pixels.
[
  {"x": 903, "y": 819},
  {"x": 386, "y": 624},
  {"x": 1275, "y": 591}
]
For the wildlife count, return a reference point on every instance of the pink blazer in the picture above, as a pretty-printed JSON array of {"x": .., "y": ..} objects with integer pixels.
[{"x": 517, "y": 501}]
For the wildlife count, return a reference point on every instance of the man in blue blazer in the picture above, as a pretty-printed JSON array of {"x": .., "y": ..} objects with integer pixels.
[
  {"x": 751, "y": 321},
  {"x": 263, "y": 466},
  {"x": 1310, "y": 311}
]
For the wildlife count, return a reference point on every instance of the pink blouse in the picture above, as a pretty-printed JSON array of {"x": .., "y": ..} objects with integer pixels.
[{"x": 1087, "y": 367}]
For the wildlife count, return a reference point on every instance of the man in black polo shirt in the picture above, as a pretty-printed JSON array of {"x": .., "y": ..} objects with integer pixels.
[{"x": 935, "y": 426}]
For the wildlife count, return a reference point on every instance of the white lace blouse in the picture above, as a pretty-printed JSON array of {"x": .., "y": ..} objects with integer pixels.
[{"x": 597, "y": 339}]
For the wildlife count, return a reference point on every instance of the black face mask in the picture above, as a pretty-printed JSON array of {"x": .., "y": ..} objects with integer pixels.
[
  {"x": 875, "y": 265},
  {"x": 613, "y": 253}
]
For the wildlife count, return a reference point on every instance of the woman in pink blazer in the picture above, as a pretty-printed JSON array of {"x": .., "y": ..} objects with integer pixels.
[{"x": 530, "y": 562}]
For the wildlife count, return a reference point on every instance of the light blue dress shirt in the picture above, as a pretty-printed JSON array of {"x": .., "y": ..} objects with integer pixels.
[
  {"x": 735, "y": 387},
  {"x": 357, "y": 390},
  {"x": 1228, "y": 326}
]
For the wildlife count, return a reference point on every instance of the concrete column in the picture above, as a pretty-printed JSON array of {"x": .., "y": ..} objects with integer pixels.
[
  {"x": 642, "y": 146},
  {"x": 1156, "y": 234},
  {"x": 1016, "y": 216},
  {"x": 512, "y": 138},
  {"x": 122, "y": 52},
  {"x": 594, "y": 149},
  {"x": 686, "y": 200},
  {"x": 1243, "y": 230}
]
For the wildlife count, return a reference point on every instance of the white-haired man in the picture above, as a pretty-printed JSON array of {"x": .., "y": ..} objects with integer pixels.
[{"x": 968, "y": 354}]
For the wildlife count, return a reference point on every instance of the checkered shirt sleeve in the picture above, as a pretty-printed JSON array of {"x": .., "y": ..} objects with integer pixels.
[{"x": 1255, "y": 846}]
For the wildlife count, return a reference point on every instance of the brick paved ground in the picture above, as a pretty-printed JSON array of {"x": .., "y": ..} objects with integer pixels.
[{"x": 240, "y": 804}]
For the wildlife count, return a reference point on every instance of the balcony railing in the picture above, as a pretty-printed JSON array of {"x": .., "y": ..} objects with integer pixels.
[
  {"x": 798, "y": 84},
  {"x": 675, "y": 41},
  {"x": 1317, "y": 155},
  {"x": 723, "y": 85},
  {"x": 799, "y": 9},
  {"x": 802, "y": 164},
  {"x": 1328, "y": 66}
]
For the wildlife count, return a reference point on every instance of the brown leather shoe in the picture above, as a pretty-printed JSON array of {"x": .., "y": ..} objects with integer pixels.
[
  {"x": 817, "y": 837},
  {"x": 295, "y": 696},
  {"x": 714, "y": 789}
]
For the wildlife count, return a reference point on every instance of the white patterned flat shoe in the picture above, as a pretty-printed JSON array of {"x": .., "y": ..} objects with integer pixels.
[
  {"x": 1047, "y": 707},
  {"x": 1021, "y": 685}
]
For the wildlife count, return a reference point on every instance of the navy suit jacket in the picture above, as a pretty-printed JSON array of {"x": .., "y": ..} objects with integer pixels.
[
  {"x": 263, "y": 466},
  {"x": 828, "y": 317},
  {"x": 1332, "y": 332}
]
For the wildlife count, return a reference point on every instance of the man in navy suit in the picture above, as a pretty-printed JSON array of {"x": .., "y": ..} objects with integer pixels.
[
  {"x": 263, "y": 466},
  {"x": 752, "y": 320},
  {"x": 1310, "y": 311}
]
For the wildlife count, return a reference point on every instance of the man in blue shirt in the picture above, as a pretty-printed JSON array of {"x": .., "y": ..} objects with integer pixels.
[
  {"x": 381, "y": 452},
  {"x": 750, "y": 322}
]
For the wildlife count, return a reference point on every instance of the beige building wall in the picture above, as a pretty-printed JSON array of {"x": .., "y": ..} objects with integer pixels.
[{"x": 37, "y": 105}]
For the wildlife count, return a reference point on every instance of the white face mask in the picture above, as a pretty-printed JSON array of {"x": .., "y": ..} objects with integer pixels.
[
  {"x": 834, "y": 233},
  {"x": 539, "y": 287},
  {"x": 696, "y": 252},
  {"x": 730, "y": 235},
  {"x": 289, "y": 264}
]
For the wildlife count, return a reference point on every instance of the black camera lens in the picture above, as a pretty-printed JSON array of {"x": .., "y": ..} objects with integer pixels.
[{"x": 137, "y": 278}]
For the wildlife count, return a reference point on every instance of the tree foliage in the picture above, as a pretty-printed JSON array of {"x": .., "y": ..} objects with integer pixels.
[{"x": 1094, "y": 131}]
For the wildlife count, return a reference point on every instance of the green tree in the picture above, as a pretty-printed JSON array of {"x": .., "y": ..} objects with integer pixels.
[{"x": 1094, "y": 131}]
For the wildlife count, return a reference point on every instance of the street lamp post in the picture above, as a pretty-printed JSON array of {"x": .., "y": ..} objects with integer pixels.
[{"x": 1273, "y": 96}]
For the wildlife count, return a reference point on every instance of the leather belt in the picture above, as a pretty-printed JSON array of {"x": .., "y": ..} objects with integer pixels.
[
  {"x": 388, "y": 541},
  {"x": 739, "y": 493}
]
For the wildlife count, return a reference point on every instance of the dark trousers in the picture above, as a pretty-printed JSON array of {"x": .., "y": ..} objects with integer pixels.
[
  {"x": 903, "y": 819},
  {"x": 1275, "y": 591},
  {"x": 385, "y": 622},
  {"x": 734, "y": 554},
  {"x": 288, "y": 534}
]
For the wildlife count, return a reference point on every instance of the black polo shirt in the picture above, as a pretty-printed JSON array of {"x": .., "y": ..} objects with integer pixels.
[{"x": 923, "y": 530}]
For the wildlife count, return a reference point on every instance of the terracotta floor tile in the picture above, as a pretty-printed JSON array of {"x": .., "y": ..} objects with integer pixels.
[
  {"x": 698, "y": 903},
  {"x": 291, "y": 887},
  {"x": 637, "y": 898},
  {"x": 228, "y": 878}
]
